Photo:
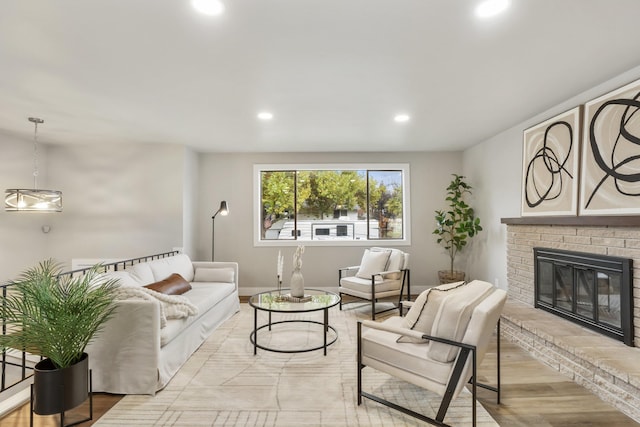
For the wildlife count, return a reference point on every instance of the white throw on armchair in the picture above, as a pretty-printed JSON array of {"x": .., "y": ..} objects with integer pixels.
[
  {"x": 437, "y": 346},
  {"x": 382, "y": 273}
]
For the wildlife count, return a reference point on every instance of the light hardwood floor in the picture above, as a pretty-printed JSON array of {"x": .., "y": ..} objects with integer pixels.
[{"x": 532, "y": 395}]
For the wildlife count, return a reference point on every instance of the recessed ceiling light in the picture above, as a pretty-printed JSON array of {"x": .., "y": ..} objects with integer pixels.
[
  {"x": 401, "y": 118},
  {"x": 265, "y": 115},
  {"x": 490, "y": 8},
  {"x": 208, "y": 7}
]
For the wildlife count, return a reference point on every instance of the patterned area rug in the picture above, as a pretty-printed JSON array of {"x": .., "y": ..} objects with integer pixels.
[{"x": 224, "y": 384}]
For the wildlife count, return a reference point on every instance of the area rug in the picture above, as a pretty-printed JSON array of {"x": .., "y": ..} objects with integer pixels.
[{"x": 224, "y": 384}]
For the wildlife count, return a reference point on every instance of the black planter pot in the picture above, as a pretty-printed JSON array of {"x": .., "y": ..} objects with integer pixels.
[{"x": 58, "y": 390}]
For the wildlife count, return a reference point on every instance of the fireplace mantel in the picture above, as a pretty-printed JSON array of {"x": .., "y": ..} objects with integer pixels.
[{"x": 601, "y": 220}]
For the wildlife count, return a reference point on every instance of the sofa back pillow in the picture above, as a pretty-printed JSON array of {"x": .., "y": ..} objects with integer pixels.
[
  {"x": 142, "y": 273},
  {"x": 123, "y": 278},
  {"x": 180, "y": 264},
  {"x": 175, "y": 284},
  {"x": 225, "y": 274}
]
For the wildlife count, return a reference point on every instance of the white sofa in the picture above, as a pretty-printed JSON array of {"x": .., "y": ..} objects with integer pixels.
[{"x": 133, "y": 354}]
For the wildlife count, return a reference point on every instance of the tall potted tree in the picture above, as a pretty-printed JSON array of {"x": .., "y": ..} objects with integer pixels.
[
  {"x": 455, "y": 225},
  {"x": 55, "y": 316}
]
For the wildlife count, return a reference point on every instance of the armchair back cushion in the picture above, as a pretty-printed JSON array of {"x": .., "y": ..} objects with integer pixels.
[
  {"x": 453, "y": 317},
  {"x": 422, "y": 313},
  {"x": 398, "y": 260},
  {"x": 373, "y": 262}
]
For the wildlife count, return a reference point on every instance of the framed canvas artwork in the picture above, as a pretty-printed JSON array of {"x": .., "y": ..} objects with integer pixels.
[
  {"x": 550, "y": 166},
  {"x": 610, "y": 170}
]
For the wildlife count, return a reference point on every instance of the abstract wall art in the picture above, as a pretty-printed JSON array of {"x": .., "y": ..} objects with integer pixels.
[
  {"x": 610, "y": 171},
  {"x": 550, "y": 166}
]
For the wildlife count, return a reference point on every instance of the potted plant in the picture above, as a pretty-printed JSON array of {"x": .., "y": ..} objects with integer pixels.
[
  {"x": 455, "y": 225},
  {"x": 55, "y": 316}
]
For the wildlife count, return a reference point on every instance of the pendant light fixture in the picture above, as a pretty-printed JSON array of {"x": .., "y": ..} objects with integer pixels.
[{"x": 33, "y": 199}]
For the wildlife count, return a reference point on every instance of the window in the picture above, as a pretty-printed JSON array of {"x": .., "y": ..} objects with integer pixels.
[{"x": 329, "y": 204}]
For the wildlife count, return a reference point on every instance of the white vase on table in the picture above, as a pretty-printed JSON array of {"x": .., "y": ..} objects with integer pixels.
[{"x": 297, "y": 284}]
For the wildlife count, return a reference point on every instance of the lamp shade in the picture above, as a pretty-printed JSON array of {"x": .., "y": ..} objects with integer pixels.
[
  {"x": 222, "y": 210},
  {"x": 20, "y": 199},
  {"x": 33, "y": 199}
]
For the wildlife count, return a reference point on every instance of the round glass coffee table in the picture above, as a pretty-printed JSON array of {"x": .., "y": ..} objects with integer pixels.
[{"x": 271, "y": 302}]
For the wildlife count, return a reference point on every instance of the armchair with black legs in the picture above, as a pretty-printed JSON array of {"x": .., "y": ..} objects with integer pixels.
[
  {"x": 383, "y": 273},
  {"x": 438, "y": 346}
]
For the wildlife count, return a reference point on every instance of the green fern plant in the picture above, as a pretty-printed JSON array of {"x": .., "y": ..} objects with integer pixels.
[
  {"x": 458, "y": 223},
  {"x": 54, "y": 315}
]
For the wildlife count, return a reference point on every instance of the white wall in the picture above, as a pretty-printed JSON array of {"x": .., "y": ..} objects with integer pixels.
[
  {"x": 124, "y": 200},
  {"x": 22, "y": 242},
  {"x": 190, "y": 202},
  {"x": 494, "y": 168},
  {"x": 230, "y": 177},
  {"x": 119, "y": 201}
]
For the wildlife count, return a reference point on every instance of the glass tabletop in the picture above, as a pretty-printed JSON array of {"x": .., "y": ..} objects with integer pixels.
[{"x": 315, "y": 299}]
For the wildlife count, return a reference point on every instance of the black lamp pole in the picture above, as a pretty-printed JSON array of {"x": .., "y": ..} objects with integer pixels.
[{"x": 222, "y": 210}]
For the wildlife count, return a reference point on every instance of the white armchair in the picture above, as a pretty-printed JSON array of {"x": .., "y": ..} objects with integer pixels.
[
  {"x": 459, "y": 319},
  {"x": 382, "y": 273}
]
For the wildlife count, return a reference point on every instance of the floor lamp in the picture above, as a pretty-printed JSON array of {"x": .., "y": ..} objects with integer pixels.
[{"x": 222, "y": 210}]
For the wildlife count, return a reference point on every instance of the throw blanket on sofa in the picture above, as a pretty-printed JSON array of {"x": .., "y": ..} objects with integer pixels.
[{"x": 171, "y": 306}]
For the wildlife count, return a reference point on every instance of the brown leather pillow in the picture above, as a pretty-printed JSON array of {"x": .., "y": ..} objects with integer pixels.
[{"x": 172, "y": 285}]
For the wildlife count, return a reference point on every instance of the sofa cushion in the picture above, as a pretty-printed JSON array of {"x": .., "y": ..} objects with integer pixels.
[
  {"x": 373, "y": 262},
  {"x": 202, "y": 295},
  {"x": 453, "y": 317},
  {"x": 163, "y": 267},
  {"x": 172, "y": 285},
  {"x": 214, "y": 275}
]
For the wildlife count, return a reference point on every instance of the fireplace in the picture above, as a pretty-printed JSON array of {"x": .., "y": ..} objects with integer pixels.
[{"x": 593, "y": 290}]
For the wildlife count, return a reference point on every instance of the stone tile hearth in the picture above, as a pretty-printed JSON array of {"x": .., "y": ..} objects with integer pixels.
[
  {"x": 607, "y": 367},
  {"x": 603, "y": 365}
]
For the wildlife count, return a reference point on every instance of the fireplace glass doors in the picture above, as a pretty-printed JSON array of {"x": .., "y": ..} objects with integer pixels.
[{"x": 589, "y": 289}]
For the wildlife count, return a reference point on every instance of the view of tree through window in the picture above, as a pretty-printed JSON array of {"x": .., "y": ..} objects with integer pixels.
[{"x": 331, "y": 204}]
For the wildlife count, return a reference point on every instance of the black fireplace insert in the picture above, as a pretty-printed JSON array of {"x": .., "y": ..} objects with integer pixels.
[{"x": 592, "y": 290}]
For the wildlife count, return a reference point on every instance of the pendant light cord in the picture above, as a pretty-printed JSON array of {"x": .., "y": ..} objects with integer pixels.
[
  {"x": 35, "y": 121},
  {"x": 35, "y": 157}
]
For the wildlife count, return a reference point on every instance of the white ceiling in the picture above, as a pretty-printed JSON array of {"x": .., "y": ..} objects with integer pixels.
[{"x": 333, "y": 72}]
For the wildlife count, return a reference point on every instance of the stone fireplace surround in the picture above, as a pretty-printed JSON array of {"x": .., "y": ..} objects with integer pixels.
[{"x": 607, "y": 367}]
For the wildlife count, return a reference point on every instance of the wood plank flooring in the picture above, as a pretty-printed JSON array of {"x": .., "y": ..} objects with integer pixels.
[{"x": 532, "y": 395}]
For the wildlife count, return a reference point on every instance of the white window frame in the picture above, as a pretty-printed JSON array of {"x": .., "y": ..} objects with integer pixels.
[{"x": 257, "y": 203}]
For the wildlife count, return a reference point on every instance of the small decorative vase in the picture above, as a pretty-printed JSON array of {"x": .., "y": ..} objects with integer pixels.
[{"x": 297, "y": 284}]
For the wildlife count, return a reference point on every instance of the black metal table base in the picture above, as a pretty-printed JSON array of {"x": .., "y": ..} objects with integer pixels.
[{"x": 325, "y": 325}]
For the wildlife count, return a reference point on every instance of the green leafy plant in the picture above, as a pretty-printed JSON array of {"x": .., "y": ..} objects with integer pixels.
[
  {"x": 458, "y": 223},
  {"x": 54, "y": 315}
]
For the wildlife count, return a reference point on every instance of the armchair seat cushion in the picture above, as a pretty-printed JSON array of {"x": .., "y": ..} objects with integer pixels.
[
  {"x": 364, "y": 285},
  {"x": 381, "y": 346}
]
